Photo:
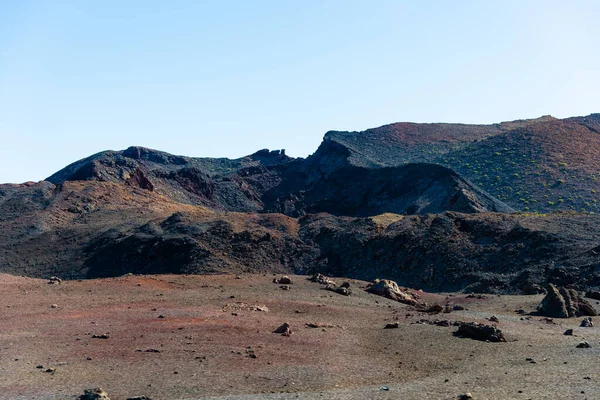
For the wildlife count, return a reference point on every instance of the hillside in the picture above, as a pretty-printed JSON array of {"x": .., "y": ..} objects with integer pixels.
[
  {"x": 89, "y": 229},
  {"x": 361, "y": 206},
  {"x": 539, "y": 165}
]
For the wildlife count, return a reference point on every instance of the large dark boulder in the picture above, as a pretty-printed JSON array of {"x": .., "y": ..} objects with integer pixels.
[{"x": 561, "y": 302}]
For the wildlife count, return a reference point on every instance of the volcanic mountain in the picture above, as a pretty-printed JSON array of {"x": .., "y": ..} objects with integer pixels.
[
  {"x": 383, "y": 203},
  {"x": 538, "y": 165}
]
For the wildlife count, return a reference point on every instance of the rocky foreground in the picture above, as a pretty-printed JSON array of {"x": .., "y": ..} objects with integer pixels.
[{"x": 250, "y": 336}]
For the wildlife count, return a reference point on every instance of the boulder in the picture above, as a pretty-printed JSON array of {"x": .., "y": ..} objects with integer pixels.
[
  {"x": 343, "y": 289},
  {"x": 284, "y": 330},
  {"x": 391, "y": 290},
  {"x": 94, "y": 394},
  {"x": 480, "y": 332},
  {"x": 561, "y": 302},
  {"x": 284, "y": 280},
  {"x": 322, "y": 279}
]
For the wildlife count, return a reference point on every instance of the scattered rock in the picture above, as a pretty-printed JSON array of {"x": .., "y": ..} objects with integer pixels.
[
  {"x": 433, "y": 309},
  {"x": 161, "y": 316},
  {"x": 493, "y": 318},
  {"x": 54, "y": 280},
  {"x": 139, "y": 398},
  {"x": 593, "y": 295},
  {"x": 101, "y": 336},
  {"x": 583, "y": 345},
  {"x": 54, "y": 306},
  {"x": 476, "y": 296},
  {"x": 244, "y": 306},
  {"x": 285, "y": 287},
  {"x": 284, "y": 280},
  {"x": 587, "y": 323},
  {"x": 284, "y": 330},
  {"x": 548, "y": 320},
  {"x": 457, "y": 307},
  {"x": 568, "y": 332},
  {"x": 391, "y": 290},
  {"x": 94, "y": 394},
  {"x": 393, "y": 325},
  {"x": 466, "y": 396},
  {"x": 343, "y": 289},
  {"x": 322, "y": 279},
  {"x": 438, "y": 322},
  {"x": 50, "y": 370},
  {"x": 480, "y": 332},
  {"x": 565, "y": 303}
]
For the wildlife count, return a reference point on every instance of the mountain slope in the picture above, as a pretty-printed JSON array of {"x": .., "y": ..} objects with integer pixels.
[
  {"x": 272, "y": 182},
  {"x": 540, "y": 165}
]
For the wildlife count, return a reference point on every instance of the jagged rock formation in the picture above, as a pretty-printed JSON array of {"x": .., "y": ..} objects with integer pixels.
[{"x": 563, "y": 302}]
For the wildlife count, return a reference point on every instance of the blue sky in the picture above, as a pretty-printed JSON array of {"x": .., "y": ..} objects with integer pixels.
[{"x": 226, "y": 78}]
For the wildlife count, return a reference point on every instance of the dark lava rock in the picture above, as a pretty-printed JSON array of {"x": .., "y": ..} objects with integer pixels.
[
  {"x": 583, "y": 345},
  {"x": 101, "y": 336},
  {"x": 284, "y": 330},
  {"x": 587, "y": 323},
  {"x": 562, "y": 302},
  {"x": 480, "y": 332},
  {"x": 568, "y": 332},
  {"x": 139, "y": 398},
  {"x": 94, "y": 394},
  {"x": 393, "y": 325},
  {"x": 284, "y": 280},
  {"x": 593, "y": 295},
  {"x": 343, "y": 289}
]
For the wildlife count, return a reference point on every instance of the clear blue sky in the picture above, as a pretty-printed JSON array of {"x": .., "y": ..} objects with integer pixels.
[{"x": 226, "y": 78}]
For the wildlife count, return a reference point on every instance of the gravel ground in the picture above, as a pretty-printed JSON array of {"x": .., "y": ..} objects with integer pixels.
[{"x": 196, "y": 337}]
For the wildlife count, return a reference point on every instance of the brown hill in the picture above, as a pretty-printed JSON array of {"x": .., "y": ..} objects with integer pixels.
[
  {"x": 91, "y": 229},
  {"x": 272, "y": 182},
  {"x": 538, "y": 165}
]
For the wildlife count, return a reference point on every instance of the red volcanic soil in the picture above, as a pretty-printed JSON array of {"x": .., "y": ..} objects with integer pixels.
[{"x": 190, "y": 337}]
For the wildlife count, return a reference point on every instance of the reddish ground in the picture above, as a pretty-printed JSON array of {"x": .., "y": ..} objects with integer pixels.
[{"x": 201, "y": 349}]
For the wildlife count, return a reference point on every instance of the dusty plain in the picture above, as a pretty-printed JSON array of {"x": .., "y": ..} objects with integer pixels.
[{"x": 196, "y": 337}]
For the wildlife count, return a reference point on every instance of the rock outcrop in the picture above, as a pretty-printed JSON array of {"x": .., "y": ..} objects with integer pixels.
[{"x": 561, "y": 302}]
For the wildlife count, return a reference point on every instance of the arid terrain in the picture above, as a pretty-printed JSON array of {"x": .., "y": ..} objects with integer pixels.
[
  {"x": 190, "y": 337},
  {"x": 151, "y": 274}
]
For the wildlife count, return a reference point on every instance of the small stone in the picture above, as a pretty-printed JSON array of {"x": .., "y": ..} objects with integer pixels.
[
  {"x": 94, "y": 394},
  {"x": 493, "y": 318},
  {"x": 568, "y": 332},
  {"x": 54, "y": 306},
  {"x": 101, "y": 336},
  {"x": 466, "y": 396},
  {"x": 587, "y": 323},
  {"x": 284, "y": 330},
  {"x": 583, "y": 345},
  {"x": 50, "y": 370},
  {"x": 161, "y": 316},
  {"x": 393, "y": 325}
]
